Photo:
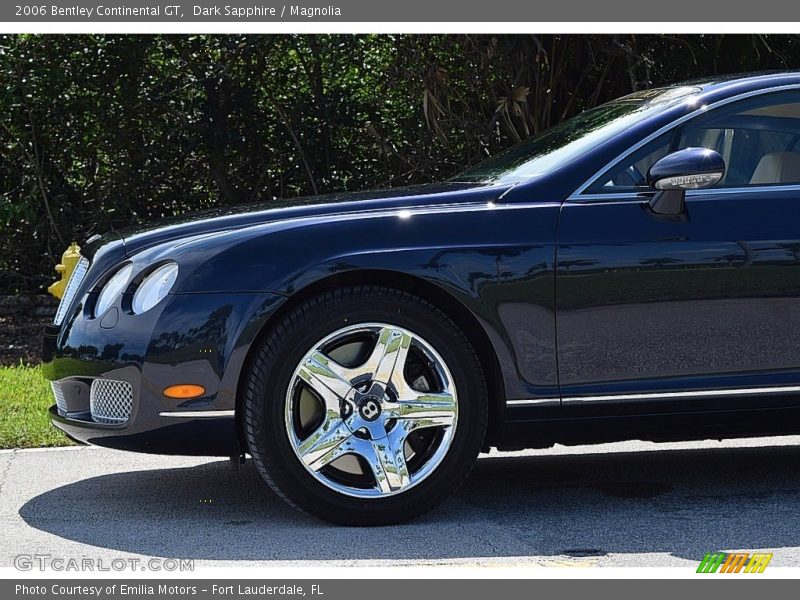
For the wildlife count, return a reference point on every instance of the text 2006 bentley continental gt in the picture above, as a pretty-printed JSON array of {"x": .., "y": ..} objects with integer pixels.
[{"x": 633, "y": 273}]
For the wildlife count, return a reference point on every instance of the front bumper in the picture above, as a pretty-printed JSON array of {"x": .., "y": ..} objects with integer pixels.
[{"x": 108, "y": 381}]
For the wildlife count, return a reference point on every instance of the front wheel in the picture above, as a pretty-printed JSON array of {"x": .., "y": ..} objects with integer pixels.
[{"x": 365, "y": 406}]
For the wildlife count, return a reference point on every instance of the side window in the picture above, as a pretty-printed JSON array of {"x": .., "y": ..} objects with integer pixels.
[
  {"x": 759, "y": 140},
  {"x": 629, "y": 175},
  {"x": 752, "y": 156}
]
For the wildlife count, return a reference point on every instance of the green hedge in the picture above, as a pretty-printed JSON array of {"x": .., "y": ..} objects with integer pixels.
[{"x": 103, "y": 131}]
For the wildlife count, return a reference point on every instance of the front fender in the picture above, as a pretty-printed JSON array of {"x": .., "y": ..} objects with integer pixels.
[{"x": 495, "y": 260}]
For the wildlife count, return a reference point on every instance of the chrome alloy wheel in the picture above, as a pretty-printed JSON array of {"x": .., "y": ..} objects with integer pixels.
[{"x": 371, "y": 410}]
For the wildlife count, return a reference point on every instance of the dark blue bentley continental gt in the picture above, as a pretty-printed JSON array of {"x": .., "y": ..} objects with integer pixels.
[{"x": 633, "y": 273}]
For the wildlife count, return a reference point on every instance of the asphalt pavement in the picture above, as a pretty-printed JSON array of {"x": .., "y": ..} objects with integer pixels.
[{"x": 629, "y": 504}]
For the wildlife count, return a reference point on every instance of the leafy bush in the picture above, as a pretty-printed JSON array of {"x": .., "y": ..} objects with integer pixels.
[{"x": 99, "y": 132}]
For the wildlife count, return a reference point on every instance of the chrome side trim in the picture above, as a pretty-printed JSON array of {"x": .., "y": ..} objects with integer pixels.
[
  {"x": 644, "y": 196},
  {"x": 534, "y": 402},
  {"x": 576, "y": 195},
  {"x": 760, "y": 189},
  {"x": 689, "y": 394},
  {"x": 787, "y": 389},
  {"x": 195, "y": 414}
]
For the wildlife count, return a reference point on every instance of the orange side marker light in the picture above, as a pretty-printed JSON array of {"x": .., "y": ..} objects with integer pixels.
[{"x": 184, "y": 391}]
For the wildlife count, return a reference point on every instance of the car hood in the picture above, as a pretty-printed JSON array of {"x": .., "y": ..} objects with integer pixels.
[{"x": 237, "y": 217}]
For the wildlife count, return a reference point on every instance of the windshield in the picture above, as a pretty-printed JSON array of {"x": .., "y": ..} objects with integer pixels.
[{"x": 568, "y": 140}]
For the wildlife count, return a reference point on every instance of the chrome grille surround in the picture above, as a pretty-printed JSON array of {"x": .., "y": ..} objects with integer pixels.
[
  {"x": 110, "y": 401},
  {"x": 58, "y": 392},
  {"x": 73, "y": 284}
]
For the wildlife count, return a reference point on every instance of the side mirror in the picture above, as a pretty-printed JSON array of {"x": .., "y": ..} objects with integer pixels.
[{"x": 688, "y": 169}]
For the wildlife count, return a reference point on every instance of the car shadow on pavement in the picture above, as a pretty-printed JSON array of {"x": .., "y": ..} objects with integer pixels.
[{"x": 682, "y": 502}]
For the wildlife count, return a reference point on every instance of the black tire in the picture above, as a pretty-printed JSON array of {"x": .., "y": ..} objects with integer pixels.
[{"x": 270, "y": 373}]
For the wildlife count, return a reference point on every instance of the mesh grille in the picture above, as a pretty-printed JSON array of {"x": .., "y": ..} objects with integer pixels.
[
  {"x": 110, "y": 401},
  {"x": 73, "y": 284},
  {"x": 61, "y": 402}
]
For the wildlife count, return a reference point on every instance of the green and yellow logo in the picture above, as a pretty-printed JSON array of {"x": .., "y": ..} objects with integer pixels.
[{"x": 734, "y": 562}]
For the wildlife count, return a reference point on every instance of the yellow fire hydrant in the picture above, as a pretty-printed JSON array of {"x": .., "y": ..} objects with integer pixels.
[{"x": 69, "y": 260}]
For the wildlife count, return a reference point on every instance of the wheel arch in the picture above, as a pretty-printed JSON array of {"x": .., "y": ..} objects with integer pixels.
[{"x": 436, "y": 295}]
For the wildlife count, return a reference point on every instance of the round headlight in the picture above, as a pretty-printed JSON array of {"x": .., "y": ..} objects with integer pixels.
[
  {"x": 154, "y": 287},
  {"x": 113, "y": 288}
]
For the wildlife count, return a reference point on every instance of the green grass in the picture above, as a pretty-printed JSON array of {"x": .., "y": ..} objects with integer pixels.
[{"x": 25, "y": 397}]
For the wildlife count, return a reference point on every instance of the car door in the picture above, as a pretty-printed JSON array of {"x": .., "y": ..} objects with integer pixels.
[{"x": 697, "y": 311}]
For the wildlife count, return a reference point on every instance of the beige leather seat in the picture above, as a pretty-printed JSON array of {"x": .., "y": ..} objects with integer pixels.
[{"x": 777, "y": 167}]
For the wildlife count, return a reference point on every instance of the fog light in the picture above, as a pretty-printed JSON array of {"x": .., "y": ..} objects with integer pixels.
[{"x": 184, "y": 391}]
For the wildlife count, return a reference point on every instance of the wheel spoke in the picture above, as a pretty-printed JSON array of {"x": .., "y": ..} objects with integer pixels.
[
  {"x": 326, "y": 377},
  {"x": 389, "y": 355},
  {"x": 369, "y": 412},
  {"x": 428, "y": 409},
  {"x": 325, "y": 444},
  {"x": 387, "y": 461}
]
